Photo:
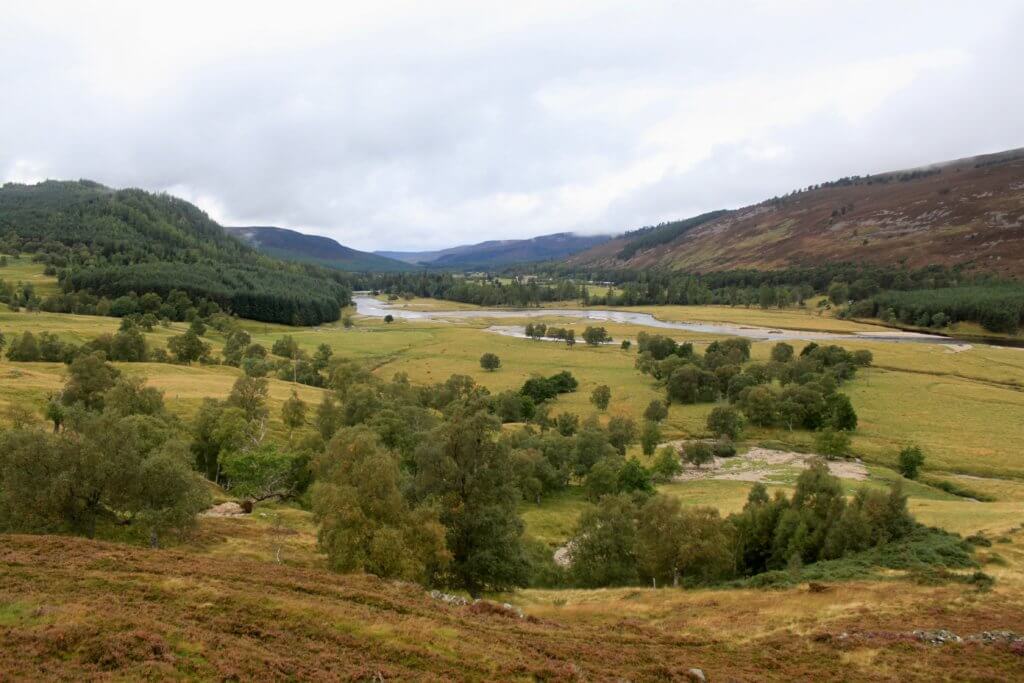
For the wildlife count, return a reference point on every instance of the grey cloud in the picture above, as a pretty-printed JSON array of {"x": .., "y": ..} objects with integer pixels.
[{"x": 448, "y": 126}]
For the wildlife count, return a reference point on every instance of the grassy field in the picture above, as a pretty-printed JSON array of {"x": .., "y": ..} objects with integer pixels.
[
  {"x": 965, "y": 409},
  {"x": 23, "y": 270}
]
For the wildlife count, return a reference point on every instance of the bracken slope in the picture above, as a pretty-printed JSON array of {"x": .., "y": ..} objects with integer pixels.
[{"x": 968, "y": 212}]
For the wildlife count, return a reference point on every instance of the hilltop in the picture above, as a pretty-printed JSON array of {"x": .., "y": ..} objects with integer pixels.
[
  {"x": 501, "y": 252},
  {"x": 968, "y": 212},
  {"x": 292, "y": 245}
]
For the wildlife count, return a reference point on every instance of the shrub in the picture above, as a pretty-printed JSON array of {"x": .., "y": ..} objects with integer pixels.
[
  {"x": 832, "y": 444},
  {"x": 910, "y": 460},
  {"x": 725, "y": 421},
  {"x": 698, "y": 453},
  {"x": 724, "y": 449}
]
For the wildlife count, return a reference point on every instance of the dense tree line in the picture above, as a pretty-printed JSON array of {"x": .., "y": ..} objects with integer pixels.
[
  {"x": 997, "y": 307},
  {"x": 247, "y": 291},
  {"x": 650, "y": 237},
  {"x": 110, "y": 244}
]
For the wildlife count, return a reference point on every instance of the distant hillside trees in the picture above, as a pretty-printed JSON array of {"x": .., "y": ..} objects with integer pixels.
[
  {"x": 648, "y": 238},
  {"x": 163, "y": 254},
  {"x": 996, "y": 307}
]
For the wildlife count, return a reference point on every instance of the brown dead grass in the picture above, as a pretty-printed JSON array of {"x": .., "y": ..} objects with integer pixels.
[{"x": 73, "y": 609}]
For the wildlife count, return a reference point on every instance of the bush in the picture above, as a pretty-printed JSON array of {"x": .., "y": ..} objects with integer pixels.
[
  {"x": 490, "y": 362},
  {"x": 666, "y": 464},
  {"x": 595, "y": 336},
  {"x": 656, "y": 411},
  {"x": 725, "y": 421},
  {"x": 724, "y": 449},
  {"x": 601, "y": 396},
  {"x": 910, "y": 460},
  {"x": 698, "y": 453}
]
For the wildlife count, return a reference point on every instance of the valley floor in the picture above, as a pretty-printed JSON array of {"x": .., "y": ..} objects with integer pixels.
[{"x": 250, "y": 598}]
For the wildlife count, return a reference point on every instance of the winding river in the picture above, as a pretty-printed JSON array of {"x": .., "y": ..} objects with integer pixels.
[{"x": 375, "y": 308}]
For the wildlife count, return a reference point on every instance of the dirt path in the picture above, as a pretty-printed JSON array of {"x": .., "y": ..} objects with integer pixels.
[{"x": 758, "y": 464}]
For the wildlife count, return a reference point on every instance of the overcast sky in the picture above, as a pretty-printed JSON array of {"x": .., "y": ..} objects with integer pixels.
[{"x": 428, "y": 124}]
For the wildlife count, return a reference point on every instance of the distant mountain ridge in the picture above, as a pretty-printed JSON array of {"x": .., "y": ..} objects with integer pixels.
[
  {"x": 292, "y": 245},
  {"x": 967, "y": 212},
  {"x": 501, "y": 252}
]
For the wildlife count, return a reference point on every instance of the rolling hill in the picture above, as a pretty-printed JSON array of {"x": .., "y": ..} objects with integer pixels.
[
  {"x": 111, "y": 243},
  {"x": 501, "y": 252},
  {"x": 292, "y": 245},
  {"x": 967, "y": 212}
]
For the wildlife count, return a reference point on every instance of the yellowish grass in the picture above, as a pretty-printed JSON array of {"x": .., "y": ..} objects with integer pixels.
[{"x": 22, "y": 269}]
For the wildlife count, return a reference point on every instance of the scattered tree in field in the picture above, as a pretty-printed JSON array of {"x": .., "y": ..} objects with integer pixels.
[
  {"x": 188, "y": 347},
  {"x": 293, "y": 412},
  {"x": 347, "y": 321},
  {"x": 603, "y": 478},
  {"x": 725, "y": 421},
  {"x": 832, "y": 444},
  {"x": 839, "y": 292},
  {"x": 625, "y": 344},
  {"x": 567, "y": 423},
  {"x": 666, "y": 464},
  {"x": 541, "y": 389},
  {"x": 250, "y": 395},
  {"x": 633, "y": 477},
  {"x": 131, "y": 396},
  {"x": 650, "y": 435},
  {"x": 622, "y": 432},
  {"x": 910, "y": 460},
  {"x": 490, "y": 362},
  {"x": 603, "y": 547},
  {"x": 656, "y": 411},
  {"x": 24, "y": 348},
  {"x": 89, "y": 378},
  {"x": 676, "y": 542},
  {"x": 285, "y": 347},
  {"x": 601, "y": 396},
  {"x": 322, "y": 357},
  {"x": 595, "y": 336},
  {"x": 782, "y": 352},
  {"x": 389, "y": 318},
  {"x": 841, "y": 415},
  {"x": 329, "y": 417},
  {"x": 470, "y": 474},
  {"x": 690, "y": 384},
  {"x": 55, "y": 413},
  {"x": 197, "y": 326},
  {"x": 366, "y": 524}
]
